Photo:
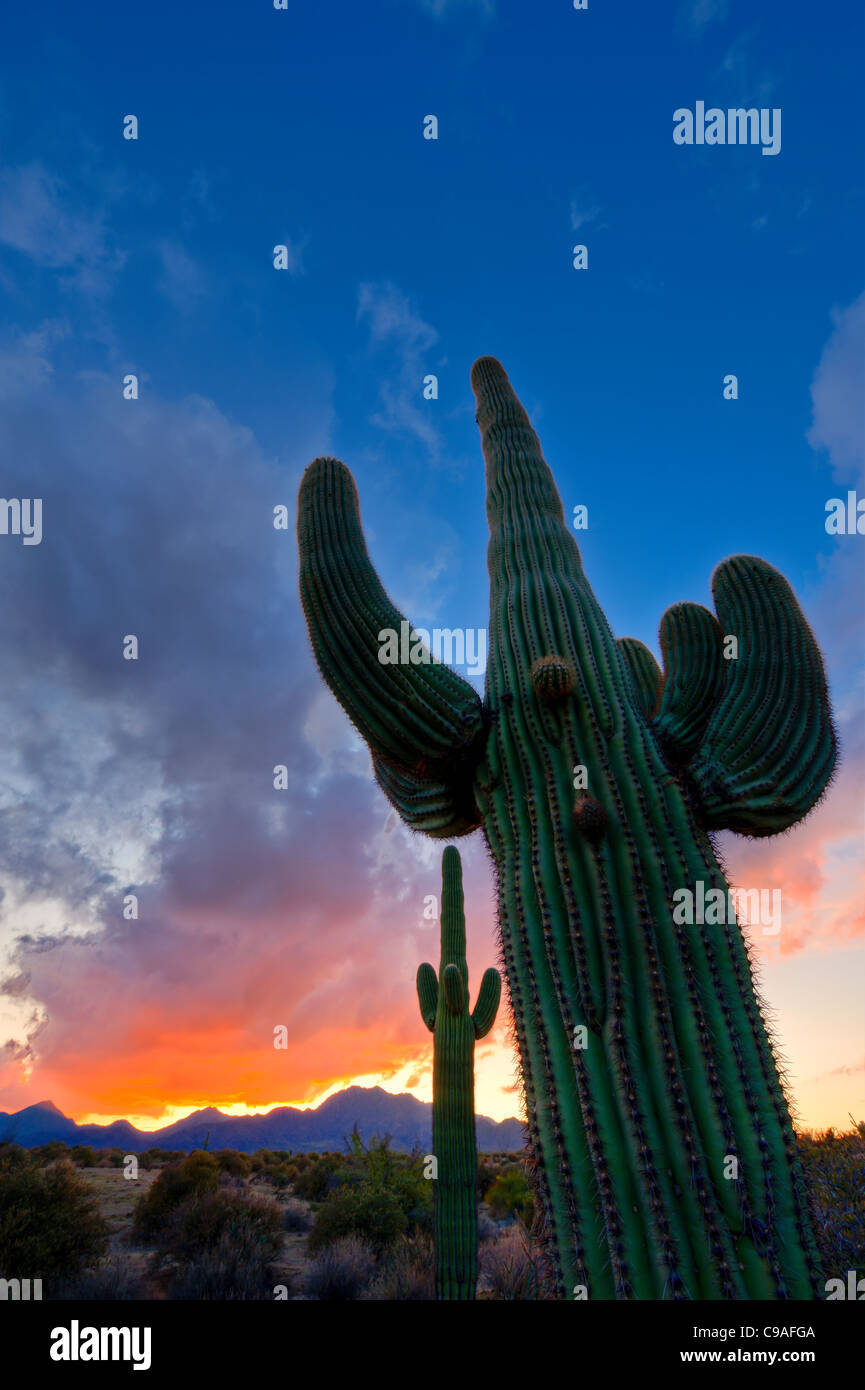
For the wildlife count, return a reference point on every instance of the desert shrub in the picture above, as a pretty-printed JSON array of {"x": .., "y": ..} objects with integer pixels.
[
  {"x": 368, "y": 1191},
  {"x": 296, "y": 1217},
  {"x": 109, "y": 1158},
  {"x": 199, "y": 1222},
  {"x": 177, "y": 1182},
  {"x": 373, "y": 1213},
  {"x": 510, "y": 1195},
  {"x": 279, "y": 1176},
  {"x": 405, "y": 1275},
  {"x": 83, "y": 1156},
  {"x": 112, "y": 1279},
  {"x": 159, "y": 1156},
  {"x": 834, "y": 1167},
  {"x": 50, "y": 1152},
  {"x": 376, "y": 1166},
  {"x": 487, "y": 1174},
  {"x": 222, "y": 1276},
  {"x": 413, "y": 1191},
  {"x": 314, "y": 1183},
  {"x": 510, "y": 1268},
  {"x": 237, "y": 1165},
  {"x": 224, "y": 1243},
  {"x": 50, "y": 1223},
  {"x": 341, "y": 1271}
]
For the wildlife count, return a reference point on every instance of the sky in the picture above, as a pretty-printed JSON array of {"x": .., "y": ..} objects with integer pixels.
[{"x": 404, "y": 256}]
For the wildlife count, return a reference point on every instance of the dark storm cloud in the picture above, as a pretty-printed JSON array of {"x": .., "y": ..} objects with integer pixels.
[{"x": 156, "y": 775}]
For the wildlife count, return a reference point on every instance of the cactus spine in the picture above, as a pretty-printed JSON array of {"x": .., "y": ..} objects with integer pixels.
[
  {"x": 646, "y": 1061},
  {"x": 444, "y": 1007}
]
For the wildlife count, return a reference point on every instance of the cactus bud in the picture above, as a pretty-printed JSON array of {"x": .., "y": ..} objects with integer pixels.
[{"x": 553, "y": 679}]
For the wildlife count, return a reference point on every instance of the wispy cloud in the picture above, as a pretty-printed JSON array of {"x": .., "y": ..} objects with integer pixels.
[
  {"x": 847, "y": 1071},
  {"x": 741, "y": 75},
  {"x": 39, "y": 219},
  {"x": 181, "y": 279},
  {"x": 836, "y": 394},
  {"x": 26, "y": 358},
  {"x": 583, "y": 211},
  {"x": 696, "y": 16},
  {"x": 395, "y": 326},
  {"x": 444, "y": 9},
  {"x": 199, "y": 203}
]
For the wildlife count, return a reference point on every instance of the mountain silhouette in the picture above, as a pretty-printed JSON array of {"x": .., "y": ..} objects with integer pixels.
[{"x": 406, "y": 1120}]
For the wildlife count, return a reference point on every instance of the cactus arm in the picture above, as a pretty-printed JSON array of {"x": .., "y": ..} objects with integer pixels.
[
  {"x": 769, "y": 750},
  {"x": 645, "y": 674},
  {"x": 453, "y": 989},
  {"x": 427, "y": 994},
  {"x": 487, "y": 1004},
  {"x": 432, "y": 805},
  {"x": 692, "y": 646},
  {"x": 422, "y": 721}
]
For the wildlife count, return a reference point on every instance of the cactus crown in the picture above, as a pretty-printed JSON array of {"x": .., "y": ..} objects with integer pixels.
[
  {"x": 754, "y": 732},
  {"x": 453, "y": 977}
]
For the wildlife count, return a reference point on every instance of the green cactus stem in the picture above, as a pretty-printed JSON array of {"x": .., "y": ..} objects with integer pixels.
[
  {"x": 444, "y": 1009},
  {"x": 662, "y": 1150}
]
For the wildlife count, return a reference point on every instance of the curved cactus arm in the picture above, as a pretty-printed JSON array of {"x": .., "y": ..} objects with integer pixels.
[
  {"x": 453, "y": 989},
  {"x": 418, "y": 717},
  {"x": 427, "y": 994},
  {"x": 769, "y": 750},
  {"x": 487, "y": 1005},
  {"x": 692, "y": 645},
  {"x": 432, "y": 805},
  {"x": 645, "y": 674}
]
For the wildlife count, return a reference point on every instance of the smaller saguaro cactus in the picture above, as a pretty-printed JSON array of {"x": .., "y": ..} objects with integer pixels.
[{"x": 444, "y": 1006}]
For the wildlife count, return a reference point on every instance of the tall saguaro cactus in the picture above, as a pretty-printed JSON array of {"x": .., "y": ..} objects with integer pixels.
[
  {"x": 444, "y": 1007},
  {"x": 664, "y": 1157}
]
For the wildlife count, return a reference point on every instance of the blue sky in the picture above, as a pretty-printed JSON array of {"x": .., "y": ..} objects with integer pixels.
[
  {"x": 408, "y": 256},
  {"x": 259, "y": 126}
]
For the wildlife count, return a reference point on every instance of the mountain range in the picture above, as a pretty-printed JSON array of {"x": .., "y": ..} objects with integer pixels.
[{"x": 406, "y": 1120}]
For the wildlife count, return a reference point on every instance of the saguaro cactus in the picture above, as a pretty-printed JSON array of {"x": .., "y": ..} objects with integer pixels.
[
  {"x": 664, "y": 1157},
  {"x": 444, "y": 1007}
]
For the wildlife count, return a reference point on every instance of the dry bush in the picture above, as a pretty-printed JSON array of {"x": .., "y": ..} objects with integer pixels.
[{"x": 341, "y": 1271}]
